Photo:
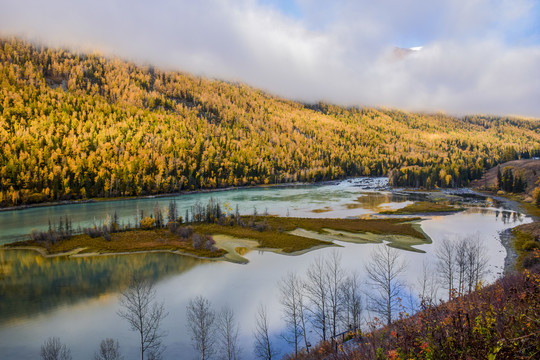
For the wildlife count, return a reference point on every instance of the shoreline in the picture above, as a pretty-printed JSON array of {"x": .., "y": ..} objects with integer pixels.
[
  {"x": 188, "y": 192},
  {"x": 506, "y": 237},
  {"x": 76, "y": 253},
  {"x": 159, "y": 196}
]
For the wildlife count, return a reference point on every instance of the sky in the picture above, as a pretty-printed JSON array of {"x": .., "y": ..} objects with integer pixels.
[{"x": 477, "y": 56}]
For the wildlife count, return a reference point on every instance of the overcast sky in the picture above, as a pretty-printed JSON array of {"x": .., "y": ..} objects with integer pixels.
[{"x": 478, "y": 56}]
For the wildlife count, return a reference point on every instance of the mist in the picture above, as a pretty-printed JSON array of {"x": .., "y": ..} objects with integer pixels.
[{"x": 477, "y": 56}]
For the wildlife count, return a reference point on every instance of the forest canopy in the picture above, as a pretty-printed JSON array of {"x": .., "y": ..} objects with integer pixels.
[{"x": 77, "y": 126}]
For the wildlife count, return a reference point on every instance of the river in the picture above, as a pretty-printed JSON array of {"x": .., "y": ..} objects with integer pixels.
[{"x": 77, "y": 299}]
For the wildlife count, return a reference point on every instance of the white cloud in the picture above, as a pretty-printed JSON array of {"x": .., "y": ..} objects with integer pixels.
[{"x": 478, "y": 56}]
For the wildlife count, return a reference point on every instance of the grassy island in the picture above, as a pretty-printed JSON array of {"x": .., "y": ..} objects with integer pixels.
[
  {"x": 128, "y": 241},
  {"x": 282, "y": 234},
  {"x": 423, "y": 207}
]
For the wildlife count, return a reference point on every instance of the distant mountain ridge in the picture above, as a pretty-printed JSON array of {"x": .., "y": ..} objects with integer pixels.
[{"x": 76, "y": 126}]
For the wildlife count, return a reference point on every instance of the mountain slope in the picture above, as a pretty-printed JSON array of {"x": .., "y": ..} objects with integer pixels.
[{"x": 77, "y": 126}]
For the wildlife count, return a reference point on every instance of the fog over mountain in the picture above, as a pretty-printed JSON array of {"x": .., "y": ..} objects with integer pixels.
[{"x": 477, "y": 56}]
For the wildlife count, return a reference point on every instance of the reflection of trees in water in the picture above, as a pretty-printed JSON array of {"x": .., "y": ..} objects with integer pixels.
[
  {"x": 32, "y": 284},
  {"x": 508, "y": 217},
  {"x": 373, "y": 200}
]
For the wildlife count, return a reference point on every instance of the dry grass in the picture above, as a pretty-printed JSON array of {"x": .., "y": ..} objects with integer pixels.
[
  {"x": 274, "y": 236},
  {"x": 375, "y": 226},
  {"x": 530, "y": 168},
  {"x": 127, "y": 241},
  {"x": 269, "y": 239}
]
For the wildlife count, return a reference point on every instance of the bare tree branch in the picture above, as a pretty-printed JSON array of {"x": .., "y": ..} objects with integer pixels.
[
  {"x": 144, "y": 315},
  {"x": 53, "y": 349},
  {"x": 109, "y": 350},
  {"x": 383, "y": 271},
  {"x": 263, "y": 347},
  {"x": 227, "y": 331},
  {"x": 201, "y": 324}
]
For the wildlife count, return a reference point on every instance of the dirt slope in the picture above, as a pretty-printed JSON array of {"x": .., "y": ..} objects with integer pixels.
[{"x": 531, "y": 168}]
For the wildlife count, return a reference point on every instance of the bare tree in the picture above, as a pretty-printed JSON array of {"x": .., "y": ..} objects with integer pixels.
[
  {"x": 109, "y": 350},
  {"x": 53, "y": 349},
  {"x": 263, "y": 347},
  {"x": 428, "y": 287},
  {"x": 334, "y": 276},
  {"x": 383, "y": 271},
  {"x": 302, "y": 304},
  {"x": 144, "y": 315},
  {"x": 446, "y": 264},
  {"x": 460, "y": 259},
  {"x": 317, "y": 292},
  {"x": 352, "y": 301},
  {"x": 201, "y": 324},
  {"x": 290, "y": 288},
  {"x": 476, "y": 263},
  {"x": 227, "y": 331}
]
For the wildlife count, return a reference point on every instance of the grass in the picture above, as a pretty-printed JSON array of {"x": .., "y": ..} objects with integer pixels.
[
  {"x": 374, "y": 226},
  {"x": 268, "y": 239},
  {"x": 275, "y": 234},
  {"x": 422, "y": 207},
  {"x": 531, "y": 209},
  {"x": 126, "y": 241},
  {"x": 525, "y": 242}
]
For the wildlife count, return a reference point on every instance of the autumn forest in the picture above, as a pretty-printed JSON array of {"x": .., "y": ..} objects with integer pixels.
[{"x": 77, "y": 126}]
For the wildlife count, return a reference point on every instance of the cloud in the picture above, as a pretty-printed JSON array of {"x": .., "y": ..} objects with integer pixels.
[{"x": 479, "y": 56}]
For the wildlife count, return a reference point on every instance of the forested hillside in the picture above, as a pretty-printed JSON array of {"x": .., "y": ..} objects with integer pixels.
[{"x": 76, "y": 126}]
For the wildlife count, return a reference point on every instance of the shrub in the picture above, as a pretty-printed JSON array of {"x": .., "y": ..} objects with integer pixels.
[
  {"x": 210, "y": 243},
  {"x": 184, "y": 231},
  {"x": 530, "y": 245},
  {"x": 93, "y": 232},
  {"x": 532, "y": 259},
  {"x": 536, "y": 196},
  {"x": 173, "y": 226},
  {"x": 197, "y": 241},
  {"x": 148, "y": 223},
  {"x": 51, "y": 236}
]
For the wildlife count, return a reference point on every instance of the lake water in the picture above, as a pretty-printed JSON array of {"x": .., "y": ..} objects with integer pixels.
[{"x": 77, "y": 299}]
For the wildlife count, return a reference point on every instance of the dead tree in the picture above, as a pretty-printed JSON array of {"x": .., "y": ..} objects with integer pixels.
[
  {"x": 383, "y": 271},
  {"x": 460, "y": 259},
  {"x": 263, "y": 346},
  {"x": 144, "y": 315},
  {"x": 427, "y": 286},
  {"x": 334, "y": 276},
  {"x": 317, "y": 292},
  {"x": 352, "y": 301},
  {"x": 201, "y": 324},
  {"x": 446, "y": 265},
  {"x": 290, "y": 288},
  {"x": 476, "y": 263},
  {"x": 227, "y": 334}
]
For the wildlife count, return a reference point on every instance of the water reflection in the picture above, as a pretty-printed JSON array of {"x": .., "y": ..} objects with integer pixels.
[
  {"x": 372, "y": 201},
  {"x": 31, "y": 284},
  {"x": 76, "y": 299}
]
